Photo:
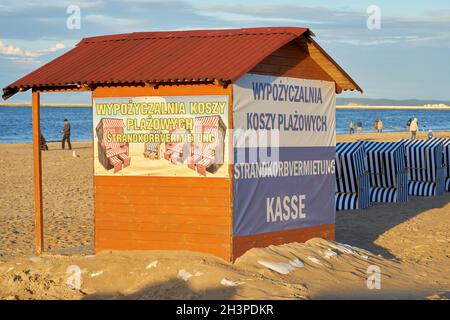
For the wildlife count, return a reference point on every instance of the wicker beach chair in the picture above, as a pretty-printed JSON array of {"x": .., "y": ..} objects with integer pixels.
[
  {"x": 208, "y": 156},
  {"x": 152, "y": 150},
  {"x": 352, "y": 178},
  {"x": 387, "y": 169},
  {"x": 111, "y": 154},
  {"x": 446, "y": 159},
  {"x": 176, "y": 151},
  {"x": 116, "y": 163},
  {"x": 424, "y": 161}
]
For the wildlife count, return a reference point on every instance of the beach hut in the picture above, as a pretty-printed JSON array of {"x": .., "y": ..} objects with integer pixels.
[
  {"x": 352, "y": 177},
  {"x": 387, "y": 170},
  {"x": 424, "y": 161},
  {"x": 446, "y": 159},
  {"x": 275, "y": 87}
]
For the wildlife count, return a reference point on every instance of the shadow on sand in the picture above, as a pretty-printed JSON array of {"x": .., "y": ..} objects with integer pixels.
[
  {"x": 174, "y": 289},
  {"x": 58, "y": 148},
  {"x": 361, "y": 228}
]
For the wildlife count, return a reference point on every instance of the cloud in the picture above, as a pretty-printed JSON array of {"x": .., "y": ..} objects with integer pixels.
[
  {"x": 380, "y": 59},
  {"x": 244, "y": 18},
  {"x": 21, "y": 6},
  {"x": 9, "y": 50},
  {"x": 305, "y": 14},
  {"x": 148, "y": 1},
  {"x": 343, "y": 26},
  {"x": 21, "y": 19},
  {"x": 28, "y": 62},
  {"x": 116, "y": 24},
  {"x": 56, "y": 47}
]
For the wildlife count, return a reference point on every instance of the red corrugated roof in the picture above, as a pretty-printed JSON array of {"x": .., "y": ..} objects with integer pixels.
[
  {"x": 199, "y": 55},
  {"x": 160, "y": 57}
]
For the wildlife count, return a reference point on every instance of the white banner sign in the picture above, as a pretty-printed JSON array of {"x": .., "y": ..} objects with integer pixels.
[{"x": 303, "y": 111}]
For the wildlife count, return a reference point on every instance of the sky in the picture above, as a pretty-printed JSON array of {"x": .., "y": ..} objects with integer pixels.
[{"x": 406, "y": 55}]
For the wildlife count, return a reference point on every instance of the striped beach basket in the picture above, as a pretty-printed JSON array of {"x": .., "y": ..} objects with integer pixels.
[
  {"x": 176, "y": 152},
  {"x": 352, "y": 178},
  {"x": 387, "y": 170},
  {"x": 111, "y": 154},
  {"x": 153, "y": 150},
  {"x": 208, "y": 155},
  {"x": 424, "y": 161},
  {"x": 446, "y": 159},
  {"x": 116, "y": 163}
]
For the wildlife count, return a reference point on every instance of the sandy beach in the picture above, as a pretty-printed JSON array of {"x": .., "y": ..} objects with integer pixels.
[{"x": 410, "y": 243}]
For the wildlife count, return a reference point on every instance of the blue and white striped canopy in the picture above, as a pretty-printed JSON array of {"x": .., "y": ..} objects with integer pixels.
[
  {"x": 424, "y": 160},
  {"x": 446, "y": 154},
  {"x": 387, "y": 170},
  {"x": 385, "y": 160},
  {"x": 352, "y": 181},
  {"x": 350, "y": 164}
]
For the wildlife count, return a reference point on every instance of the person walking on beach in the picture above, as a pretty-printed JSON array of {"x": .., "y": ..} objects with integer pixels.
[
  {"x": 375, "y": 125},
  {"x": 351, "y": 127},
  {"x": 414, "y": 127},
  {"x": 66, "y": 134},
  {"x": 380, "y": 126},
  {"x": 359, "y": 126},
  {"x": 43, "y": 143},
  {"x": 408, "y": 124}
]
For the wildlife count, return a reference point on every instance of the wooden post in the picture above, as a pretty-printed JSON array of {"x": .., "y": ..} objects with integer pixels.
[{"x": 37, "y": 175}]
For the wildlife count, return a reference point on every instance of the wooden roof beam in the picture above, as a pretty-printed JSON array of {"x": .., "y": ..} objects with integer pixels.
[
  {"x": 153, "y": 85},
  {"x": 62, "y": 88},
  {"x": 222, "y": 83}
]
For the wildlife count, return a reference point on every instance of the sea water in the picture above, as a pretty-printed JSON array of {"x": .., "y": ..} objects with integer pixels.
[{"x": 15, "y": 122}]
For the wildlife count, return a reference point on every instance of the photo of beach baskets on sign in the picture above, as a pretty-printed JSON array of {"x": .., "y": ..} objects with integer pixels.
[{"x": 161, "y": 136}]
